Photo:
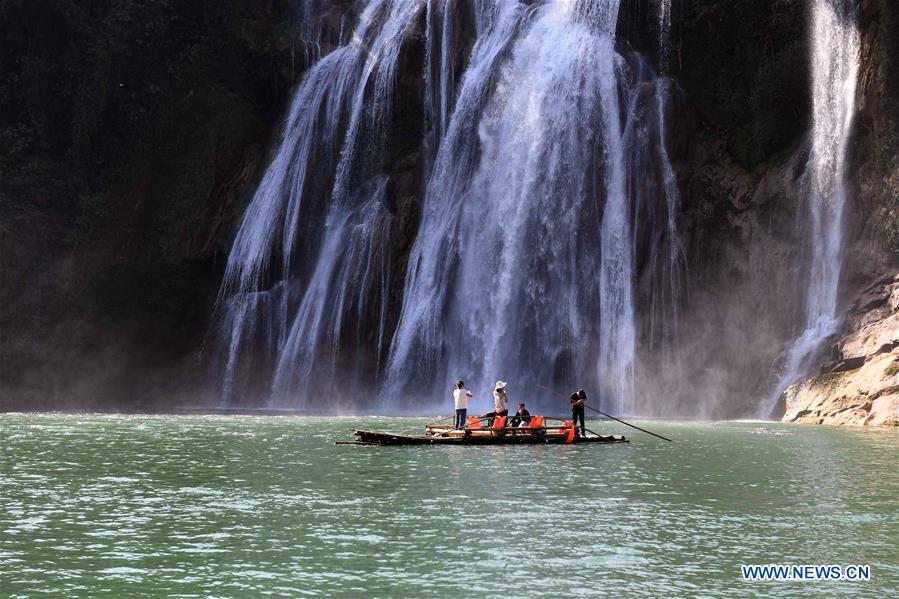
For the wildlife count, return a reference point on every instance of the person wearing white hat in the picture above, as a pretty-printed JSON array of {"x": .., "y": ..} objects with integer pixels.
[{"x": 500, "y": 401}]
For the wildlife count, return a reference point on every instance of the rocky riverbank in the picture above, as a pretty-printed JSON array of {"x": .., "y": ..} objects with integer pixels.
[{"x": 859, "y": 385}]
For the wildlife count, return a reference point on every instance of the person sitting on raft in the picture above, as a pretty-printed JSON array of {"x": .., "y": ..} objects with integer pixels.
[
  {"x": 461, "y": 397},
  {"x": 578, "y": 400},
  {"x": 521, "y": 418},
  {"x": 500, "y": 401}
]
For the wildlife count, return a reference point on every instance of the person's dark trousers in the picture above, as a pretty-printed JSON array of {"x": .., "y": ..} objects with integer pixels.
[
  {"x": 491, "y": 415},
  {"x": 460, "y": 417},
  {"x": 577, "y": 412}
]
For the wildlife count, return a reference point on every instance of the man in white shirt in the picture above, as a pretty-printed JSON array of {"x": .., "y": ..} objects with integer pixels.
[{"x": 461, "y": 397}]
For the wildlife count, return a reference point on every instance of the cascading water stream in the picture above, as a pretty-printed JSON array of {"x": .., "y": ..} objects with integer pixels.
[
  {"x": 669, "y": 295},
  {"x": 526, "y": 209},
  {"x": 664, "y": 14},
  {"x": 541, "y": 161},
  {"x": 834, "y": 62},
  {"x": 305, "y": 204},
  {"x": 653, "y": 192},
  {"x": 439, "y": 75}
]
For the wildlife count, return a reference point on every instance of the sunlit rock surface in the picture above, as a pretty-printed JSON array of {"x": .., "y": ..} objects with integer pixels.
[{"x": 860, "y": 385}]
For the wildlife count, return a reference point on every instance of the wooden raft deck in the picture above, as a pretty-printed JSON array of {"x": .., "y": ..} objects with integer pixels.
[{"x": 487, "y": 437}]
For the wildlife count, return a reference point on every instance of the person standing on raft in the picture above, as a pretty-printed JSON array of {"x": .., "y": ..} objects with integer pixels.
[
  {"x": 461, "y": 397},
  {"x": 500, "y": 402},
  {"x": 578, "y": 400}
]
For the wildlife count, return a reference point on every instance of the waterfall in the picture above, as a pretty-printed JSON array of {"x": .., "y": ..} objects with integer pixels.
[
  {"x": 667, "y": 288},
  {"x": 321, "y": 200},
  {"x": 664, "y": 15},
  {"x": 541, "y": 160},
  {"x": 438, "y": 75},
  {"x": 526, "y": 211},
  {"x": 660, "y": 260},
  {"x": 834, "y": 66},
  {"x": 416, "y": 356}
]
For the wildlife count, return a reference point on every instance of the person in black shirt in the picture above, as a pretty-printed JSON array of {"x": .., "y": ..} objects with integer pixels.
[
  {"x": 578, "y": 400},
  {"x": 521, "y": 418}
]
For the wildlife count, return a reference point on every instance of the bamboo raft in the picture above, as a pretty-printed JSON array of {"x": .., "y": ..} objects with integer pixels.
[{"x": 540, "y": 432}]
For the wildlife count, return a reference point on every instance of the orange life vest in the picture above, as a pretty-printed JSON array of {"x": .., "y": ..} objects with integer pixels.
[{"x": 568, "y": 424}]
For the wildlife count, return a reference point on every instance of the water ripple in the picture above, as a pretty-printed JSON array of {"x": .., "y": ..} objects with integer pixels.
[{"x": 201, "y": 506}]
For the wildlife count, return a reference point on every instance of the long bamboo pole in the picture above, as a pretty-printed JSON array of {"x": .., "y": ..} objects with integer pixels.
[{"x": 607, "y": 415}]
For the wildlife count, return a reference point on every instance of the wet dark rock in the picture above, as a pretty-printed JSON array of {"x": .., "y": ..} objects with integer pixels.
[{"x": 843, "y": 365}]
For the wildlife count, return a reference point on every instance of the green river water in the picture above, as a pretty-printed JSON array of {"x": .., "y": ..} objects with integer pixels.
[{"x": 230, "y": 506}]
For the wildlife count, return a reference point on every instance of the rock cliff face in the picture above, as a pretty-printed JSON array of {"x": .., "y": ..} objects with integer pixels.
[
  {"x": 860, "y": 384},
  {"x": 132, "y": 135}
]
